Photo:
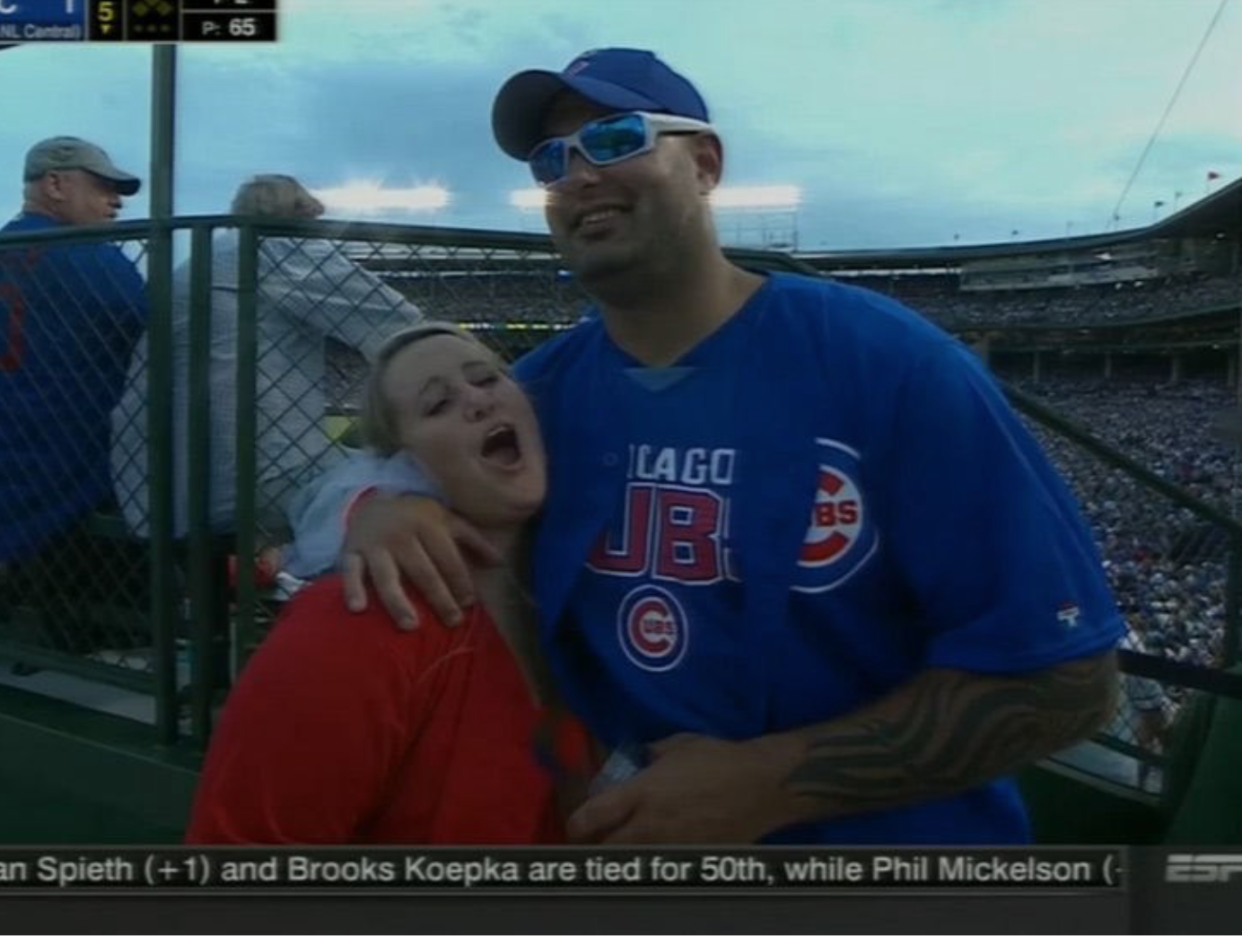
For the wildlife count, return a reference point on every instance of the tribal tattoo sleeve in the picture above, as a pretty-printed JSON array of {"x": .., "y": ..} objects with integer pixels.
[{"x": 949, "y": 730}]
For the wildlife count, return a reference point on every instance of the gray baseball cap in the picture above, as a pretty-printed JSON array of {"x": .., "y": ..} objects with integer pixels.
[{"x": 74, "y": 153}]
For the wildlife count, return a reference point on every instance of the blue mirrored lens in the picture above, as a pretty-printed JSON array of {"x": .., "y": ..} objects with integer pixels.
[
  {"x": 614, "y": 138},
  {"x": 547, "y": 163},
  {"x": 604, "y": 141}
]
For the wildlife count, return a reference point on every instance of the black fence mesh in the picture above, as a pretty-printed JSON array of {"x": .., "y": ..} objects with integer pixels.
[
  {"x": 72, "y": 583},
  {"x": 75, "y": 370}
]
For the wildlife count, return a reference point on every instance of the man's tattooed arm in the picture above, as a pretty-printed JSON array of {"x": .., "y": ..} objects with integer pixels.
[
  {"x": 943, "y": 732},
  {"x": 947, "y": 731}
]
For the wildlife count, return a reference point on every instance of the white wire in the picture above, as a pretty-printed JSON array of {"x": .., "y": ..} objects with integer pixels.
[{"x": 1167, "y": 111}]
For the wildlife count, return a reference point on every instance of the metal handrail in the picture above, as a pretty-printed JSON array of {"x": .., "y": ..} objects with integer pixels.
[{"x": 455, "y": 243}]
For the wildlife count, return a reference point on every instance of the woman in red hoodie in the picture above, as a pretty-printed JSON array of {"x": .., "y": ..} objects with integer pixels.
[{"x": 348, "y": 732}]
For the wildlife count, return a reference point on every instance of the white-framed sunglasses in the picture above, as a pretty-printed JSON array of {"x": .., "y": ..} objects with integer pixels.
[{"x": 607, "y": 140}]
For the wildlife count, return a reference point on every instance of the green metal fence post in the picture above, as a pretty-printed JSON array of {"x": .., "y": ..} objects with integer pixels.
[
  {"x": 159, "y": 283},
  {"x": 245, "y": 631},
  {"x": 205, "y": 611}
]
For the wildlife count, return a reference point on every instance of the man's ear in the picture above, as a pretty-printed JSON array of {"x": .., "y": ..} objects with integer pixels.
[
  {"x": 52, "y": 185},
  {"x": 708, "y": 154}
]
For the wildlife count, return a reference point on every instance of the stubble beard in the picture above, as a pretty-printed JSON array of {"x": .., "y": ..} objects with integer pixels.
[
  {"x": 601, "y": 265},
  {"x": 619, "y": 271}
]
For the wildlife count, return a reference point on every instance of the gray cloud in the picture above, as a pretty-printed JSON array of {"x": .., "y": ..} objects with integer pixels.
[{"x": 903, "y": 123}]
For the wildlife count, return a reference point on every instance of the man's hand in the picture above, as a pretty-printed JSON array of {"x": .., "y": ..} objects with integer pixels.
[
  {"x": 942, "y": 732},
  {"x": 388, "y": 537},
  {"x": 696, "y": 790}
]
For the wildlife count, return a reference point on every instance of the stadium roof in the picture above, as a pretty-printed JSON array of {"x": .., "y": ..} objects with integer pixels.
[{"x": 1219, "y": 214}]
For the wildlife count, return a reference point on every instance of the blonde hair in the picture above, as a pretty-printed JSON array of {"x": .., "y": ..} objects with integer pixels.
[
  {"x": 377, "y": 423},
  {"x": 275, "y": 194}
]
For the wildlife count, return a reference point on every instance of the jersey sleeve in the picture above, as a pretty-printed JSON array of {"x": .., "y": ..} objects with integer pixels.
[
  {"x": 316, "y": 726},
  {"x": 1004, "y": 572}
]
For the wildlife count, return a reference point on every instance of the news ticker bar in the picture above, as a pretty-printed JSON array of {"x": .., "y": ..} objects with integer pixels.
[
  {"x": 584, "y": 870},
  {"x": 23, "y": 21}
]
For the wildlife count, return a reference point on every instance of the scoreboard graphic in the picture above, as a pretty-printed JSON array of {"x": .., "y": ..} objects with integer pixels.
[{"x": 23, "y": 21}]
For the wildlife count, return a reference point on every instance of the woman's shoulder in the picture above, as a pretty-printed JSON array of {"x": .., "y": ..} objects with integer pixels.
[{"x": 317, "y": 617}]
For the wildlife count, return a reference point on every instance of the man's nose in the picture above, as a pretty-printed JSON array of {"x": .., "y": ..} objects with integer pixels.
[{"x": 578, "y": 169}]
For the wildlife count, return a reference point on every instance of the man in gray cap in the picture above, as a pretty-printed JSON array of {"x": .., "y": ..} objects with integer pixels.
[
  {"x": 74, "y": 182},
  {"x": 70, "y": 317}
]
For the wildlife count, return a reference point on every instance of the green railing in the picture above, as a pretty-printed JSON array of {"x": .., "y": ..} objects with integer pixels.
[
  {"x": 1181, "y": 595},
  {"x": 507, "y": 287}
]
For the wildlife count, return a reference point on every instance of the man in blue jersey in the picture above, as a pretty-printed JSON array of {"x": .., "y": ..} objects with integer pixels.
[
  {"x": 796, "y": 546},
  {"x": 70, "y": 316}
]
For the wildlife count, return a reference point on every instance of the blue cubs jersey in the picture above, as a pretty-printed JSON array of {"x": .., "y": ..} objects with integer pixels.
[
  {"x": 821, "y": 499},
  {"x": 70, "y": 317}
]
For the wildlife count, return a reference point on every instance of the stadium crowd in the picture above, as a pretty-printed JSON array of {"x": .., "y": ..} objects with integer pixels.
[
  {"x": 1088, "y": 305},
  {"x": 1166, "y": 564},
  {"x": 477, "y": 293}
]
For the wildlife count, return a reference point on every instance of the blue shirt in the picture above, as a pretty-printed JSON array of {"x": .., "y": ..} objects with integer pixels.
[
  {"x": 70, "y": 316},
  {"x": 822, "y": 499}
]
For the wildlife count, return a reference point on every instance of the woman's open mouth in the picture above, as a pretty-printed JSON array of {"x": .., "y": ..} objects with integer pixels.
[{"x": 501, "y": 447}]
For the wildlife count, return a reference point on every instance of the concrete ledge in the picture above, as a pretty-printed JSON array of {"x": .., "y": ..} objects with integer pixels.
[{"x": 72, "y": 775}]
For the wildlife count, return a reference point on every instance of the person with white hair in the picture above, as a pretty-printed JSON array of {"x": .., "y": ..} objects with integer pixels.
[{"x": 309, "y": 293}]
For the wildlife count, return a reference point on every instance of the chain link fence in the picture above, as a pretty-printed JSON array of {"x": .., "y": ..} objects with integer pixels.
[
  {"x": 266, "y": 340},
  {"x": 73, "y": 583},
  {"x": 322, "y": 310},
  {"x": 264, "y": 347}
]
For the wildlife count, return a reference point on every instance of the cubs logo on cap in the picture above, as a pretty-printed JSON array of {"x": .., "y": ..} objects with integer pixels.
[
  {"x": 577, "y": 65},
  {"x": 652, "y": 628},
  {"x": 841, "y": 536},
  {"x": 616, "y": 79}
]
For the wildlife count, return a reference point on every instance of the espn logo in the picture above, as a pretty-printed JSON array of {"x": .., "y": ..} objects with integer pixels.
[{"x": 1202, "y": 868}]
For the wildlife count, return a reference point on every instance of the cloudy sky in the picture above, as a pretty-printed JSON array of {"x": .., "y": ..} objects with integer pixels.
[{"x": 904, "y": 122}]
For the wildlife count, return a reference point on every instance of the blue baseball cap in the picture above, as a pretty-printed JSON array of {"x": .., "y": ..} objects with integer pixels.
[{"x": 622, "y": 79}]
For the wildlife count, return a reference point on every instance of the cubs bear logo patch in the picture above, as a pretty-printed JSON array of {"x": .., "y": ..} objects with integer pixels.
[
  {"x": 652, "y": 628},
  {"x": 841, "y": 535}
]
